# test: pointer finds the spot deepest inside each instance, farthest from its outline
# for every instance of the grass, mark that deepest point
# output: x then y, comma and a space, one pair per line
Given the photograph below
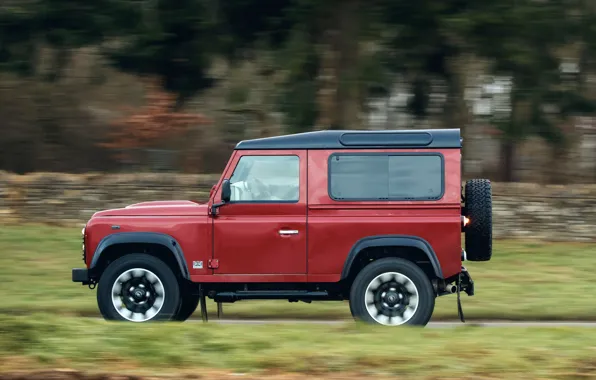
524, 280
42, 341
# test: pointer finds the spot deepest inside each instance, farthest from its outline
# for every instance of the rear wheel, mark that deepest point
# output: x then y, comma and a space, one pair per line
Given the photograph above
138, 288
392, 292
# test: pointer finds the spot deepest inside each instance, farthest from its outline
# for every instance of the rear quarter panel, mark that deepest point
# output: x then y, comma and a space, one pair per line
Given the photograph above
334, 227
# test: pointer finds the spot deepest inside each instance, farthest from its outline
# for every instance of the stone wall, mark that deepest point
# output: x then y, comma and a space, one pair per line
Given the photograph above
555, 213
57, 198
564, 213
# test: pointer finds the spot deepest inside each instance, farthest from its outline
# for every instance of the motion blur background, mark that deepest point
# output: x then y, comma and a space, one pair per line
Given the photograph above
130, 85
108, 102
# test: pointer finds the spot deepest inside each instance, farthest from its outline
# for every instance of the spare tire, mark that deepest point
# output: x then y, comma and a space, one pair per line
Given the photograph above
478, 208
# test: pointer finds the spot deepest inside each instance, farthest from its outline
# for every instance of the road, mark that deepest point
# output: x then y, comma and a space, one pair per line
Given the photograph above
447, 324
430, 325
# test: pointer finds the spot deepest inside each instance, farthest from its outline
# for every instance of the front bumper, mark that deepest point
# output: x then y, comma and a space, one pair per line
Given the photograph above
81, 275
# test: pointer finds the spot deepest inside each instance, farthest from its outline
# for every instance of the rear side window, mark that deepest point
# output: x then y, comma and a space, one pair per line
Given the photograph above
386, 176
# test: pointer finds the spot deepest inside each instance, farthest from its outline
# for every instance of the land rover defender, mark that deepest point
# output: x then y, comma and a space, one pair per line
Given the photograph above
375, 218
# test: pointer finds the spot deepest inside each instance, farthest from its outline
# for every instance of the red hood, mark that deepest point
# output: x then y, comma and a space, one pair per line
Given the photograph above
158, 208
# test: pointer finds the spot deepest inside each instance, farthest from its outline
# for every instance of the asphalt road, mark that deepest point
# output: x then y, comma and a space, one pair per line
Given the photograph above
484, 323
430, 325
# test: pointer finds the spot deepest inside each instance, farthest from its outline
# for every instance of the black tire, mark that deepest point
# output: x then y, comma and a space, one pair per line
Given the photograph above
164, 306
425, 294
189, 301
479, 209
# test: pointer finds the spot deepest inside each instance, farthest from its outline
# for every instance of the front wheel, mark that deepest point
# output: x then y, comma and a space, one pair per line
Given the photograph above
392, 292
138, 288
188, 304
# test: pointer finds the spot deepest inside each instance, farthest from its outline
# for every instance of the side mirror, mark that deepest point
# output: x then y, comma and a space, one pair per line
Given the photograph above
226, 194
226, 191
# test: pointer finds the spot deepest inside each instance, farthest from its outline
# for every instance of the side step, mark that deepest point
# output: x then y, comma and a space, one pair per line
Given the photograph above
291, 295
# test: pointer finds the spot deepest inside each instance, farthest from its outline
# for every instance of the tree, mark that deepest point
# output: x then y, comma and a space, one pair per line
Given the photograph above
152, 124
426, 44
27, 26
318, 47
175, 41
522, 38
18, 50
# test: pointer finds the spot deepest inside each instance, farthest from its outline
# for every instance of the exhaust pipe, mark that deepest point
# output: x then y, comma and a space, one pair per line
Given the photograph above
451, 288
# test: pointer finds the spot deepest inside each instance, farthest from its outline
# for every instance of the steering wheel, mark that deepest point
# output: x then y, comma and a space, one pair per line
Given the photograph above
258, 189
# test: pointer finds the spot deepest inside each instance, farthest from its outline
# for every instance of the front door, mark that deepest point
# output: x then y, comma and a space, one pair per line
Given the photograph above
262, 230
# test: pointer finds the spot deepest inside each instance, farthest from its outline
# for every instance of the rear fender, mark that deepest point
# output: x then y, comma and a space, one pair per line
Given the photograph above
392, 241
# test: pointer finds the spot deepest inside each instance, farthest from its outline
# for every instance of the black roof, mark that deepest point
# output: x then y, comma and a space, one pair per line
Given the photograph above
352, 139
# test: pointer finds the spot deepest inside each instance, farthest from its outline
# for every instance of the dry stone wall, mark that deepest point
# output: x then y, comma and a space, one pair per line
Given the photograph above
521, 210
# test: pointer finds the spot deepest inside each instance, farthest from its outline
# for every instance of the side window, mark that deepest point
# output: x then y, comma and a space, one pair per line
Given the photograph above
266, 179
386, 177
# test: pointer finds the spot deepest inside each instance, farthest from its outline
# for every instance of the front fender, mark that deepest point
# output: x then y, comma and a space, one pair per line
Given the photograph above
142, 238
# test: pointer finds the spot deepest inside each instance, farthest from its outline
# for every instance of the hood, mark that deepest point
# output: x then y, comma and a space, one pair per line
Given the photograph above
158, 208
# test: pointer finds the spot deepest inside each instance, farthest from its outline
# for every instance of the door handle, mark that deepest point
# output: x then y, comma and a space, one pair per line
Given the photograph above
288, 232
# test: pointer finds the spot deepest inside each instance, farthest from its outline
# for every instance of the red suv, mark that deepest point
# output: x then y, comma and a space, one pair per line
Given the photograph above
373, 217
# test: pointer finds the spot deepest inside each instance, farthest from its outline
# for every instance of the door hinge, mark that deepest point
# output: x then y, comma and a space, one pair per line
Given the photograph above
213, 264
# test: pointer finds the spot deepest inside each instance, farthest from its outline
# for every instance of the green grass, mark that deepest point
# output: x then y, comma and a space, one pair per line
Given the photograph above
42, 341
524, 280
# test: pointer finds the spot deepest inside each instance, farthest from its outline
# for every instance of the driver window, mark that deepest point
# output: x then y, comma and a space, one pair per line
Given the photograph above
266, 179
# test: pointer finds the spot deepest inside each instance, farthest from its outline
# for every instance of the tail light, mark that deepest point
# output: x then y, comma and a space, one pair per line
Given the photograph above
84, 252
464, 221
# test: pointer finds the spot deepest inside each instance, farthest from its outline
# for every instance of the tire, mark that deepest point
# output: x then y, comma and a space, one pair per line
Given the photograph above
479, 209
188, 304
407, 291
144, 288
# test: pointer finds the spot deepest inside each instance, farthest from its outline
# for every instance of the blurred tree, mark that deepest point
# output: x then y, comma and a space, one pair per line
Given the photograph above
244, 25
250, 32
18, 29
521, 37
38, 40
422, 44
299, 59
427, 47
285, 28
154, 123
27, 26
329, 56
583, 31
318, 46
65, 25
174, 41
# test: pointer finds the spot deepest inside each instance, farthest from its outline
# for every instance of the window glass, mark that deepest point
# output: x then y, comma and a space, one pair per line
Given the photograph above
266, 179
385, 177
